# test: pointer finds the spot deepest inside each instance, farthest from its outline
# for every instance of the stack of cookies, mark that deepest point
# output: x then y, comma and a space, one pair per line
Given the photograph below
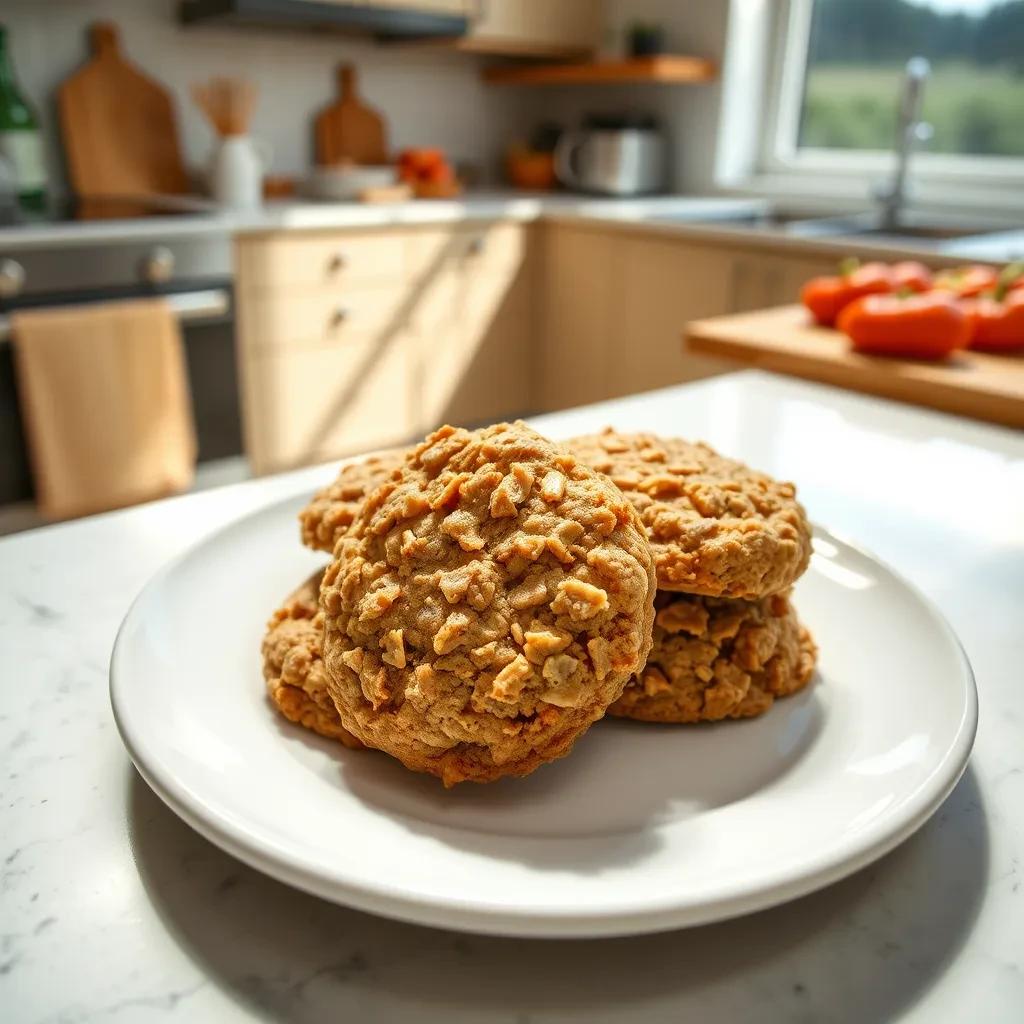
728, 545
492, 594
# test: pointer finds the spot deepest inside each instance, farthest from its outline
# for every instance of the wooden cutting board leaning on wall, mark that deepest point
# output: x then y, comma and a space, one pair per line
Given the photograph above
347, 131
118, 126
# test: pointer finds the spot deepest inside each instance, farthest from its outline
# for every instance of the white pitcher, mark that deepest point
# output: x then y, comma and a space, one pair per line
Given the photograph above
236, 176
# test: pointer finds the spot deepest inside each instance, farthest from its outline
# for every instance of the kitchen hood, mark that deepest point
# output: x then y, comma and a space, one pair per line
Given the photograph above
384, 22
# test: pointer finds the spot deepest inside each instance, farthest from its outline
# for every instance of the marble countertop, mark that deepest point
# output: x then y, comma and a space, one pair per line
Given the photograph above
708, 218
305, 215
114, 910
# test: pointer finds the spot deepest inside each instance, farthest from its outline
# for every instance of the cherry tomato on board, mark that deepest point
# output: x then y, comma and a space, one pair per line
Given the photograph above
996, 325
929, 326
826, 297
909, 275
967, 281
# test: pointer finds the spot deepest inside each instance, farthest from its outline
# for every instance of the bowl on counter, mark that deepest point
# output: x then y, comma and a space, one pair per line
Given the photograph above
348, 181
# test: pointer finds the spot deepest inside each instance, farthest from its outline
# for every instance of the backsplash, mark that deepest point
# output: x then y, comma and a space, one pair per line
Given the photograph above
428, 96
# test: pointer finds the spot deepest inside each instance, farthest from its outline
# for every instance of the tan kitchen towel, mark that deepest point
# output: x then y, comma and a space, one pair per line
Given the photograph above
104, 399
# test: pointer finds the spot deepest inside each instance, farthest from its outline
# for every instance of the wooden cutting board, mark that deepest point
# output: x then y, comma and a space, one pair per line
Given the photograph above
348, 131
118, 126
975, 384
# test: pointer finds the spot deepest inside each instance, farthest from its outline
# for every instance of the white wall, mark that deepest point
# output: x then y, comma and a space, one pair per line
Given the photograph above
688, 113
428, 97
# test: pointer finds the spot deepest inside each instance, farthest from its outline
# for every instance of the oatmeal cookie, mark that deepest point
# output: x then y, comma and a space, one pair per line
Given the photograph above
488, 603
717, 658
332, 509
293, 668
717, 527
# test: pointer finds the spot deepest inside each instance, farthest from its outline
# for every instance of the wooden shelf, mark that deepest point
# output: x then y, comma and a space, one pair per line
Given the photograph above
985, 387
665, 69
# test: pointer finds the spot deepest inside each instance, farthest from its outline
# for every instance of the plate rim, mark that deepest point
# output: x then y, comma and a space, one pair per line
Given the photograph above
499, 919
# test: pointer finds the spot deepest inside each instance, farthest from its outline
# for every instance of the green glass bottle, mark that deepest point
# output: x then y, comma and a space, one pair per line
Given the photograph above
21, 142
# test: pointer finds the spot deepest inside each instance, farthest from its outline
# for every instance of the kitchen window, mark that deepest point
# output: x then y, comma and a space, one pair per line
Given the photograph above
835, 85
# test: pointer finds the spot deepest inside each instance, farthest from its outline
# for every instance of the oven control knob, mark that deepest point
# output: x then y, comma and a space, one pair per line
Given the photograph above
12, 278
157, 266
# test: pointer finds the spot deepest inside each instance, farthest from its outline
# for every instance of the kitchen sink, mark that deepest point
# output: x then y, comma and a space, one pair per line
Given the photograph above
919, 231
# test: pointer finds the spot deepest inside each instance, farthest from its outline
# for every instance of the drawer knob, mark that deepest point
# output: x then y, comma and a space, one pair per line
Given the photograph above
476, 246
339, 316
12, 278
339, 261
157, 266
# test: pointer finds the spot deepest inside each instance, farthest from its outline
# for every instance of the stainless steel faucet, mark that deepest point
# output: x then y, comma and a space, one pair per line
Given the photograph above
910, 129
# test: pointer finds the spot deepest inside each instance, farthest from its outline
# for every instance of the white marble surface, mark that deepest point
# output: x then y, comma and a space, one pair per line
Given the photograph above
113, 910
705, 218
298, 214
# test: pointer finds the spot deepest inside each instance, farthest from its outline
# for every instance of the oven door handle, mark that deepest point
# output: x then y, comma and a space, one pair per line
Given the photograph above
188, 306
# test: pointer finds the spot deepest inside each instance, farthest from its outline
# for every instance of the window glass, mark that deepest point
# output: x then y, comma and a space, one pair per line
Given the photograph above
974, 97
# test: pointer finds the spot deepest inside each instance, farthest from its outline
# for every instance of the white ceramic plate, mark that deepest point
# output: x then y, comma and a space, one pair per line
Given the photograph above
641, 828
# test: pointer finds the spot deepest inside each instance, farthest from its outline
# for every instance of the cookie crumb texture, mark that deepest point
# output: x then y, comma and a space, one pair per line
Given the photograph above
293, 667
717, 527
332, 509
716, 658
486, 606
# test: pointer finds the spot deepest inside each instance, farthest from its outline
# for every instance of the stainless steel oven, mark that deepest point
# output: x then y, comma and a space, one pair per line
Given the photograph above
142, 258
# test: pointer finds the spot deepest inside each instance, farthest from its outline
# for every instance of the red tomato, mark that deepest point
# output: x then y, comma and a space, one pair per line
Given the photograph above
967, 281
826, 297
996, 325
912, 327
910, 275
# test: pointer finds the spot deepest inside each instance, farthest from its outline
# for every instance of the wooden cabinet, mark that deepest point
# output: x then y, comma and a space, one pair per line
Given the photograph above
613, 309
615, 304
577, 304
474, 324
661, 285
543, 27
760, 278
355, 340
321, 403
326, 357
358, 339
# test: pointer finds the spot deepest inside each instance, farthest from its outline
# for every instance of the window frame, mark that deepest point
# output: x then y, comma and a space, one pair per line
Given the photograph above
779, 154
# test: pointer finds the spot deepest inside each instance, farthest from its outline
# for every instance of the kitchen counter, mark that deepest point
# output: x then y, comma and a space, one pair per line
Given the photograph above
708, 218
285, 215
114, 910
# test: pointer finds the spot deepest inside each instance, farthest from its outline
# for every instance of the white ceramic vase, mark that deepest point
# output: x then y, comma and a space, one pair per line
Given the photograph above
236, 175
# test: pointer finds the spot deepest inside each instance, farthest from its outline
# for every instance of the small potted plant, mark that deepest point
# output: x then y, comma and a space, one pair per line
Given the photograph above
646, 39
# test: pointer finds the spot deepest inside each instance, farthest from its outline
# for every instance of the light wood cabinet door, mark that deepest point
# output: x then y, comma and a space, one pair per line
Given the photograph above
786, 275
536, 26
473, 322
661, 286
578, 300
309, 406
614, 308
760, 278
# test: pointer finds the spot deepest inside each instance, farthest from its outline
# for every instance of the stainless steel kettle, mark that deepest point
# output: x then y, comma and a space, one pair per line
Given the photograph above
612, 156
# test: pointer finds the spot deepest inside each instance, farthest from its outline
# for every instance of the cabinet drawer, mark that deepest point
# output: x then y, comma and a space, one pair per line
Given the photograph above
487, 246
309, 261
322, 316
309, 406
